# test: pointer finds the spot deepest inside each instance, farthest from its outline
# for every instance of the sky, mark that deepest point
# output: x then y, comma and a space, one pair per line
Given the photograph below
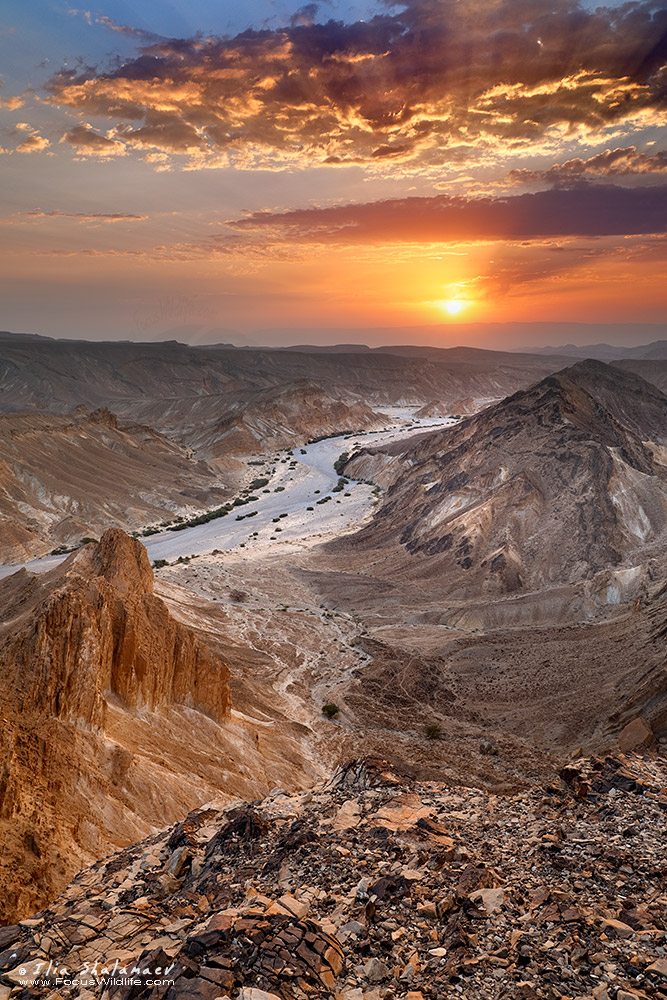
266, 172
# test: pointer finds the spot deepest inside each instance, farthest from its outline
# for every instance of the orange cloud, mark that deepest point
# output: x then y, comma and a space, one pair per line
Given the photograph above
87, 141
412, 85
33, 144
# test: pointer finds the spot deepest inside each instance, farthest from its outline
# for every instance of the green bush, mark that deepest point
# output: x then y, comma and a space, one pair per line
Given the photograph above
340, 462
331, 710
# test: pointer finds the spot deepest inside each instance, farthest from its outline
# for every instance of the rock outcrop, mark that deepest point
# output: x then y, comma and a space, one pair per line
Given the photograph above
375, 886
96, 674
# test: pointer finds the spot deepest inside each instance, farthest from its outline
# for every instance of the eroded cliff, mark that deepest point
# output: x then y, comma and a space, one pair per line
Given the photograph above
97, 679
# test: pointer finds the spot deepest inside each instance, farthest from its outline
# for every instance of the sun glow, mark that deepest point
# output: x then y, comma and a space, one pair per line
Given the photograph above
451, 306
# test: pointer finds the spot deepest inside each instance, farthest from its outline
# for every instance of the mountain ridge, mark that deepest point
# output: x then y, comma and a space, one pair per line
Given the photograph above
545, 486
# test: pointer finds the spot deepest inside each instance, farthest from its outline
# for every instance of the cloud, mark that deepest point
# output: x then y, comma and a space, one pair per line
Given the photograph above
586, 211
11, 103
609, 163
127, 30
88, 142
108, 22
409, 85
93, 217
33, 144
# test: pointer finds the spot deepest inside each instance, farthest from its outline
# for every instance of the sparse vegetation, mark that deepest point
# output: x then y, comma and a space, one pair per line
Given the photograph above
210, 515
159, 563
331, 710
433, 731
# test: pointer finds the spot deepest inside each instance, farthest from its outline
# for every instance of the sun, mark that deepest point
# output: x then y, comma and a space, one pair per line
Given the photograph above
451, 306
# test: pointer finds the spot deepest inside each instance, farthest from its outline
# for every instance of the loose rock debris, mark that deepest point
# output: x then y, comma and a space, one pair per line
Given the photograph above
372, 886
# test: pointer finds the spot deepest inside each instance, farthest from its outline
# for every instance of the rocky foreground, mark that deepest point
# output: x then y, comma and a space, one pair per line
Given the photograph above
373, 886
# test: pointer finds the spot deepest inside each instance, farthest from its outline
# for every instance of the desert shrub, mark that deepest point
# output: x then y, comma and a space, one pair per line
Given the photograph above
340, 462
432, 731
331, 710
159, 563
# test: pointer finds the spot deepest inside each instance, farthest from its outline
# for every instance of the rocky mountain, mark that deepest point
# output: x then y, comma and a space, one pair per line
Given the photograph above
116, 720
64, 478
374, 885
551, 486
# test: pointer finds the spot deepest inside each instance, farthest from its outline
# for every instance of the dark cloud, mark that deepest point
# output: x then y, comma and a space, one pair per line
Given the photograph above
494, 76
305, 16
567, 212
609, 163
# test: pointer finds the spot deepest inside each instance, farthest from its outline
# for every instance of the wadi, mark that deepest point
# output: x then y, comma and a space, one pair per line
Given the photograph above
236, 573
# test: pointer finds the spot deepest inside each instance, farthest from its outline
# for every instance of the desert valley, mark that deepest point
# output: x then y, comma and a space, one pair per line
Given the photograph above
227, 572
333, 500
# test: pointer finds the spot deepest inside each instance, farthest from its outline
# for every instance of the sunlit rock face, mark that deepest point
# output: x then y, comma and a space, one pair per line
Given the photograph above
114, 714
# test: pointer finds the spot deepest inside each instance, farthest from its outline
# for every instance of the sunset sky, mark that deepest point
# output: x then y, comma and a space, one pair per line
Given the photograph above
220, 169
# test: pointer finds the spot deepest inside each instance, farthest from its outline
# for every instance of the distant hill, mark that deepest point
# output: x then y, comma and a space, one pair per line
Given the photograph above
164, 384
608, 352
